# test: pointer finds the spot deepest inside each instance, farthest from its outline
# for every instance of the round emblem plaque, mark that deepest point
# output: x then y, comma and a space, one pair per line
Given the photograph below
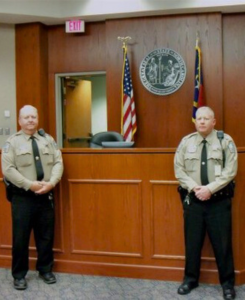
162, 71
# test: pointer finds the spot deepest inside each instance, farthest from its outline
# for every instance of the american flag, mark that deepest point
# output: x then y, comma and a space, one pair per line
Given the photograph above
198, 92
129, 125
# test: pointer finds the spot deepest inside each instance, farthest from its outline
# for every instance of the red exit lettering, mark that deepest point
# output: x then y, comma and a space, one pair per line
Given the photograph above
75, 26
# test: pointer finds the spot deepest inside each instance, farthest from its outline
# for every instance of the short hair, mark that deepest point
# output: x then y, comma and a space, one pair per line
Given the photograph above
26, 107
206, 108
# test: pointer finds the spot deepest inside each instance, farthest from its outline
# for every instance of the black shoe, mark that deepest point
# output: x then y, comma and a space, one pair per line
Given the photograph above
187, 287
20, 284
229, 293
48, 277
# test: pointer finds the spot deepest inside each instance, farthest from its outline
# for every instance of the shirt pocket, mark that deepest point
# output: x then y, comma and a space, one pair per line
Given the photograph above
216, 155
191, 161
47, 155
24, 157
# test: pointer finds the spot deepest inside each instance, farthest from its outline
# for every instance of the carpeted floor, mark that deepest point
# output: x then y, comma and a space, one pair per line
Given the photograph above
80, 287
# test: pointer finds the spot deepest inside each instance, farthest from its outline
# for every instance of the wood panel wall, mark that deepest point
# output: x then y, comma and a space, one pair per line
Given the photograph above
113, 220
32, 69
42, 52
233, 70
118, 213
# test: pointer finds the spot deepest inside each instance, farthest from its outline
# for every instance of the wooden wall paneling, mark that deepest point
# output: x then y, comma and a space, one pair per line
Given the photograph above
72, 53
163, 246
234, 68
106, 217
164, 120
32, 69
166, 218
239, 220
6, 224
118, 214
92, 235
77, 52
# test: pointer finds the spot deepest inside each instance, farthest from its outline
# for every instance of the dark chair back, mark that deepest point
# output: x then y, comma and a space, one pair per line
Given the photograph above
106, 136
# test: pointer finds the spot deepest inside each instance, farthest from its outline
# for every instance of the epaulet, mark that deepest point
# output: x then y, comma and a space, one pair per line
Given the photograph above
51, 140
227, 137
6, 146
13, 136
49, 137
189, 136
184, 139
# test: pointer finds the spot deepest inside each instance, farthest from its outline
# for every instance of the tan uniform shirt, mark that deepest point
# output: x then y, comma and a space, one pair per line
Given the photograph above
187, 161
18, 164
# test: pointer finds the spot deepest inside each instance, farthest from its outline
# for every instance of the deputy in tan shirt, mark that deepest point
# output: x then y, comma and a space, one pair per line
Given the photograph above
31, 195
187, 161
206, 197
18, 166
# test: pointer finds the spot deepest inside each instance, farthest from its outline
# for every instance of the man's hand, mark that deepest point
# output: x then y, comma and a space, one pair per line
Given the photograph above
45, 187
36, 185
202, 193
41, 187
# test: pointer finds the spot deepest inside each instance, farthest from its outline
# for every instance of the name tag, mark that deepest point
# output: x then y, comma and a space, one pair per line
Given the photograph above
217, 170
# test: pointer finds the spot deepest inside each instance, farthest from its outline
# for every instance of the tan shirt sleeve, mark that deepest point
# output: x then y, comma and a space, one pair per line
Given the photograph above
182, 173
9, 168
228, 173
58, 167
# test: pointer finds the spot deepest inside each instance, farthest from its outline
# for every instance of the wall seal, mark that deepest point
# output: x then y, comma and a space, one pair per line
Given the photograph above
162, 71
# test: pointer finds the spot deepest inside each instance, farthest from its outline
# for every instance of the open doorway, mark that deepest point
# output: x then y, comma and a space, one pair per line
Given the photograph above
81, 108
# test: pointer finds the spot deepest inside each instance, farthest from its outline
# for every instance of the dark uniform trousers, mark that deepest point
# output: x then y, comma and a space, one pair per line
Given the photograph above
213, 217
32, 212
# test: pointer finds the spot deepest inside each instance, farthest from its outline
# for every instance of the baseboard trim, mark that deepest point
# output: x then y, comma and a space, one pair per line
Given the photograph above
127, 271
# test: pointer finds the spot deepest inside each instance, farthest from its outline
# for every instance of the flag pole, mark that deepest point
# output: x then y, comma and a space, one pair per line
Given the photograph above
128, 114
198, 88
124, 41
197, 39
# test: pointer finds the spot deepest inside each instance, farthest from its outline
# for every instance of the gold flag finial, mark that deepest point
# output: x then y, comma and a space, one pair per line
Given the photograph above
124, 40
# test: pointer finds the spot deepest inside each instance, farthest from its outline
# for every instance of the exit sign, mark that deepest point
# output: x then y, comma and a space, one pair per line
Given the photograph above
75, 26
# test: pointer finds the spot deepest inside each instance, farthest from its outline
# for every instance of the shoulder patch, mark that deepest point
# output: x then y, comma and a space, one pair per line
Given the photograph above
231, 146
6, 147
55, 145
51, 140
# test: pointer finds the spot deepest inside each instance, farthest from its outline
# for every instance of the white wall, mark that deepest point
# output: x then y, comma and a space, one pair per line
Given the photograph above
7, 81
99, 104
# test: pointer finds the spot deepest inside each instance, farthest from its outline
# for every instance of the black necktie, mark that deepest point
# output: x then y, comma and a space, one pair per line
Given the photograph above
37, 160
204, 164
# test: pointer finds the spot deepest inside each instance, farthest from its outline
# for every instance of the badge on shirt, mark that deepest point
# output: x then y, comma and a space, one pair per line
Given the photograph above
6, 147
192, 148
231, 147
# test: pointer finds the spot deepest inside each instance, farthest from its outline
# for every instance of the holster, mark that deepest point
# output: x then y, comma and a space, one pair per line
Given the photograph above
182, 192
231, 188
8, 189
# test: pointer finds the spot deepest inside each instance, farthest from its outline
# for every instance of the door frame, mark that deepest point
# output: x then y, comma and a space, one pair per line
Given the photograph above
58, 100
